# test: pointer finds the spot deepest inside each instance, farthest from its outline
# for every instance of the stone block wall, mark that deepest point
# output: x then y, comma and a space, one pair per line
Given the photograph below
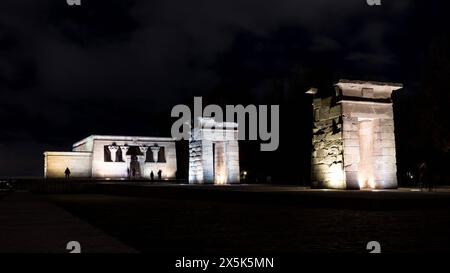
79, 164
327, 152
383, 156
195, 162
232, 158
351, 150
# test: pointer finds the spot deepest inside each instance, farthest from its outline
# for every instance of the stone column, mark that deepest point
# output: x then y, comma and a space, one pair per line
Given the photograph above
128, 163
140, 172
155, 151
124, 152
143, 150
113, 150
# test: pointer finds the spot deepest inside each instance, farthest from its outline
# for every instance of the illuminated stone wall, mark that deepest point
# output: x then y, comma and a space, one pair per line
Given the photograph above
353, 137
55, 164
327, 153
118, 168
110, 157
214, 153
383, 172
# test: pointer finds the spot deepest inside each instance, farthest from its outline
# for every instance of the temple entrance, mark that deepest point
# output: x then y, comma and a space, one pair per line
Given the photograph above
366, 178
135, 168
219, 163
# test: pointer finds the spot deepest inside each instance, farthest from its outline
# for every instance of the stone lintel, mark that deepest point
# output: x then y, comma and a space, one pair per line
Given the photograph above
366, 89
360, 99
365, 101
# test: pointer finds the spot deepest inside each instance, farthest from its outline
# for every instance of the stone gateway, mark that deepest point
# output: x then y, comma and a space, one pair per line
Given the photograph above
214, 153
353, 137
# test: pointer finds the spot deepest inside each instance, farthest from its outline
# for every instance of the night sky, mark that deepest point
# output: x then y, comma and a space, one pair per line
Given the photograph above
118, 67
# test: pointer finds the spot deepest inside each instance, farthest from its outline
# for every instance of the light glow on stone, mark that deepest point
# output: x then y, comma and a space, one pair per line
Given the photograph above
221, 179
337, 179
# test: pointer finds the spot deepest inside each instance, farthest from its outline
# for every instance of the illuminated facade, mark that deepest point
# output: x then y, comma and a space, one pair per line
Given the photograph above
115, 157
353, 137
214, 153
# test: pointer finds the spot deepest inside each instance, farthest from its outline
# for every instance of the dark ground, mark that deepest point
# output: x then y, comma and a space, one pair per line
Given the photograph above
30, 224
265, 220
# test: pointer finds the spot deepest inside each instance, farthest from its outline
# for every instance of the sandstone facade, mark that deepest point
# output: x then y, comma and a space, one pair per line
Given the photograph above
115, 157
353, 137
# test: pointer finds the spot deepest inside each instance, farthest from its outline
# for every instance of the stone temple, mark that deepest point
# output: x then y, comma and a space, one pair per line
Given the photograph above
115, 157
353, 137
214, 152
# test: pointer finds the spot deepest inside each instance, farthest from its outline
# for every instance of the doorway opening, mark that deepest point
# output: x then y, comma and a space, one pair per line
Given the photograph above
135, 168
366, 177
219, 163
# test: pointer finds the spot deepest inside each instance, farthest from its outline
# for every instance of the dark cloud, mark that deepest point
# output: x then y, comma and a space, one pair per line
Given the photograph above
93, 24
119, 66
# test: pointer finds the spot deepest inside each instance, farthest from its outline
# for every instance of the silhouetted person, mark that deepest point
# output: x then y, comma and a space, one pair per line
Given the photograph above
67, 173
423, 175
159, 175
133, 171
152, 176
